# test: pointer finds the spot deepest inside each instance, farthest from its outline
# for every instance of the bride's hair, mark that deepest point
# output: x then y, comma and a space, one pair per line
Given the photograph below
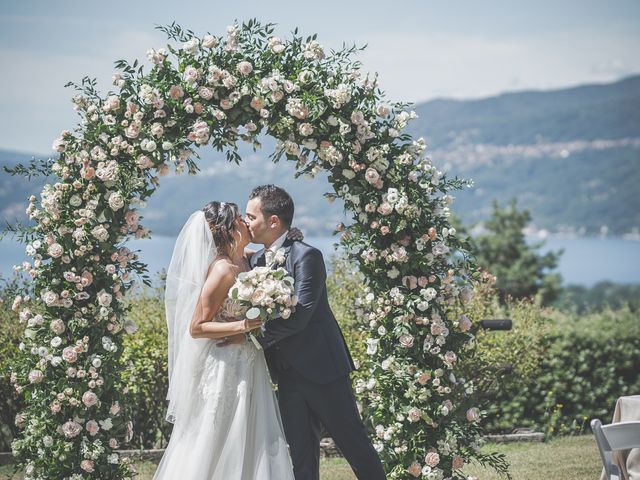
221, 217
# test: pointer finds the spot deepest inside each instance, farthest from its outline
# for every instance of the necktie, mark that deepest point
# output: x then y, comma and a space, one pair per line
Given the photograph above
261, 260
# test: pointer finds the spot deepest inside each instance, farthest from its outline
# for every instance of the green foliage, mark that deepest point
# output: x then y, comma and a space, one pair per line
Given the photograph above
10, 335
502, 361
567, 368
521, 271
590, 361
144, 363
603, 295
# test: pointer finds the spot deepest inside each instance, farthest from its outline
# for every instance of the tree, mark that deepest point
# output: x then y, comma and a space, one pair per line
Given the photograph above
521, 270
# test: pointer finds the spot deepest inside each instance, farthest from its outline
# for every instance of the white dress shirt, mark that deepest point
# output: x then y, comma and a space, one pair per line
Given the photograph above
269, 252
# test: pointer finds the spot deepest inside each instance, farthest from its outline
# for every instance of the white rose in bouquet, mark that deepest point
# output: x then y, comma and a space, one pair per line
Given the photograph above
265, 293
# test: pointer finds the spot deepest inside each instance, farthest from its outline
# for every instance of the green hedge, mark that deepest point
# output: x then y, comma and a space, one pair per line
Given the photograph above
567, 368
588, 363
10, 333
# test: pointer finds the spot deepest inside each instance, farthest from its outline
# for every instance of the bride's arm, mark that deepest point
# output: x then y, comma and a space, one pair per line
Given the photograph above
215, 289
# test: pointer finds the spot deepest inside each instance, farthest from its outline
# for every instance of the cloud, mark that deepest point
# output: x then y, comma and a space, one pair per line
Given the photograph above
422, 66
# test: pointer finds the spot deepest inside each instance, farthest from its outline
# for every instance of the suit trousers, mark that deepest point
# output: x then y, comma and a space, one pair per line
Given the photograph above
305, 406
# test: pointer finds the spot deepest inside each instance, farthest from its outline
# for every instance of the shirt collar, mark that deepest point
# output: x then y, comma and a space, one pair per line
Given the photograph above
278, 242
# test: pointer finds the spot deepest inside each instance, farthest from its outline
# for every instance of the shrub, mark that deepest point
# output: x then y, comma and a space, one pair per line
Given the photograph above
144, 362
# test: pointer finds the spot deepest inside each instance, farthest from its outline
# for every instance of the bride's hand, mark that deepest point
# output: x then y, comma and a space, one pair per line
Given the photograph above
249, 325
295, 234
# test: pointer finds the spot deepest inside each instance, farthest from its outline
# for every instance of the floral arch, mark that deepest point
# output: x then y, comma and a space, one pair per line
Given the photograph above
218, 91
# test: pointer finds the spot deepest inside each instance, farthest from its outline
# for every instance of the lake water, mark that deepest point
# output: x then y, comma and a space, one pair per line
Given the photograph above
585, 261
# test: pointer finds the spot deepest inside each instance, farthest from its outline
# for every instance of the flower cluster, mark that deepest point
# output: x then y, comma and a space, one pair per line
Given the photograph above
265, 293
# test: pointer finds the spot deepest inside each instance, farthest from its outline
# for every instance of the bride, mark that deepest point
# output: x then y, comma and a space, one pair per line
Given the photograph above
226, 421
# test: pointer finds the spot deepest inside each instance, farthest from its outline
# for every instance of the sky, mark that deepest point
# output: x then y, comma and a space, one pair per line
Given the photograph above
422, 49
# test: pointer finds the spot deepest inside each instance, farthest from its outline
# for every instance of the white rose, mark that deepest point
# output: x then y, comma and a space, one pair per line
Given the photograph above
191, 46
104, 298
36, 376
245, 68
116, 202
305, 129
209, 41
55, 250
414, 414
383, 110
191, 74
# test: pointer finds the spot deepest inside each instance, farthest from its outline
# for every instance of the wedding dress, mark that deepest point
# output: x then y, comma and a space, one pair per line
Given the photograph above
227, 424
237, 433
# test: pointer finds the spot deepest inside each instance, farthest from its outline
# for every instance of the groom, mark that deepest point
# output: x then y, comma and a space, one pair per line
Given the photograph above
306, 353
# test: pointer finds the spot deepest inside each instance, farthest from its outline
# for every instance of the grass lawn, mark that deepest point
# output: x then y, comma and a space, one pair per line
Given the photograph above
569, 458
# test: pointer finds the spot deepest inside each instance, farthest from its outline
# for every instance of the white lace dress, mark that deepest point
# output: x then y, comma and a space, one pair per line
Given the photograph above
237, 434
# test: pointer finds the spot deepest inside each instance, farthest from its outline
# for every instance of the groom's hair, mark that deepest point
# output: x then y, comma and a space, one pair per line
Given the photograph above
274, 201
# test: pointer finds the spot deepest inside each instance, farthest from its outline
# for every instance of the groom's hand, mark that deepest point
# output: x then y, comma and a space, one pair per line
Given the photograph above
295, 234
238, 339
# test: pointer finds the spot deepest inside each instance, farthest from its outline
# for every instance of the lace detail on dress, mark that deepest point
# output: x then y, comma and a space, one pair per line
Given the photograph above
230, 310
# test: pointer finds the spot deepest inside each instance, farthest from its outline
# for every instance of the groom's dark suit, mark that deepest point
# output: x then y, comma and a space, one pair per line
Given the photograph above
308, 358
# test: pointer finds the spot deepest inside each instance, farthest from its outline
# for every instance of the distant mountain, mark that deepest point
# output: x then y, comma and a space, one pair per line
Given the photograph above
571, 156
179, 195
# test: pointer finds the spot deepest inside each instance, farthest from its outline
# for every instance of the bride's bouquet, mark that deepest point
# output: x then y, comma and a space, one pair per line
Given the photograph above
265, 293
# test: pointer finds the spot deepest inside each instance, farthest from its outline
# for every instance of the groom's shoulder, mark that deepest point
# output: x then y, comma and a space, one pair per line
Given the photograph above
303, 248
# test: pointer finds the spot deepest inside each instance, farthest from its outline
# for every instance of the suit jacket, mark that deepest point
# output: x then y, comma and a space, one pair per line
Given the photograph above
310, 340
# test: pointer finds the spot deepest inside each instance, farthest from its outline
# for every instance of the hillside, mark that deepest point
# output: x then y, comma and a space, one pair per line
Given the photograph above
571, 156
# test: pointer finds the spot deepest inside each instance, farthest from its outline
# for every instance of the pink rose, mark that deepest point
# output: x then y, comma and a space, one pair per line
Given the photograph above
71, 429
205, 92
414, 415
104, 298
372, 175
86, 278
473, 414
423, 378
132, 131
144, 162
176, 92
69, 354
87, 465
415, 469
450, 357
406, 340
92, 427
113, 443
191, 74
422, 282
245, 68
55, 250
35, 376
258, 296
385, 209
458, 462
89, 398
384, 230
436, 329
432, 459
257, 103
464, 324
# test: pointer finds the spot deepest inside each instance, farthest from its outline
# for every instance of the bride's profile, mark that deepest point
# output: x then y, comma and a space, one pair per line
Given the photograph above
226, 421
